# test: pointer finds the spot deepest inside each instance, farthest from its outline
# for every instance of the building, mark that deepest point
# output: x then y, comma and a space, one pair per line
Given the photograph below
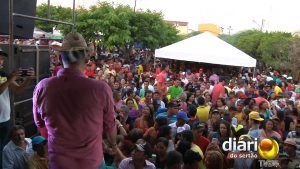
209, 27
181, 26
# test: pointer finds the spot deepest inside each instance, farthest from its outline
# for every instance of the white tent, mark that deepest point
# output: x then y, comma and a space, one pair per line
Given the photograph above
206, 48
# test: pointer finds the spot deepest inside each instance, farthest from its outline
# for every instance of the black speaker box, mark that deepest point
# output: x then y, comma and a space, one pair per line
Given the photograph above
22, 27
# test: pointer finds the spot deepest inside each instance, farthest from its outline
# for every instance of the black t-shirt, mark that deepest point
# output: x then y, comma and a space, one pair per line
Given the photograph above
3, 77
160, 164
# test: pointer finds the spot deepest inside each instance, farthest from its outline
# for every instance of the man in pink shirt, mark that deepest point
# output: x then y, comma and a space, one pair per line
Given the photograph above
76, 111
218, 90
261, 97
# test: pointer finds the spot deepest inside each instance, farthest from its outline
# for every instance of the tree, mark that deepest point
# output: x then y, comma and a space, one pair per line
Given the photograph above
293, 60
121, 27
115, 25
274, 47
57, 13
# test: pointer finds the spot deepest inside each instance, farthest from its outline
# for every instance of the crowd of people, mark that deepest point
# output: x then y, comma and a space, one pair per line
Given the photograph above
168, 114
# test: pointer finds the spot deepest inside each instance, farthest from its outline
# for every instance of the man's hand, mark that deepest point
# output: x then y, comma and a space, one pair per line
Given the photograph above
31, 73
13, 76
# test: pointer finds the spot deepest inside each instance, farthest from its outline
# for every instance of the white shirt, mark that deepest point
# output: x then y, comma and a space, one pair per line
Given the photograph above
237, 89
4, 100
15, 157
174, 128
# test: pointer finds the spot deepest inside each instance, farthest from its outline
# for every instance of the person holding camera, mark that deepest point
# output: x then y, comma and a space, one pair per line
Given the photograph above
9, 81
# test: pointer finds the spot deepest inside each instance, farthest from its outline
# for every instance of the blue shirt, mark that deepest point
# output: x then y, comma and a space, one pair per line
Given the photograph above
254, 132
15, 157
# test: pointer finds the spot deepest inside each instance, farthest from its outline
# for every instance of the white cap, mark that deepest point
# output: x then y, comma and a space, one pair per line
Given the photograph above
285, 76
289, 78
269, 79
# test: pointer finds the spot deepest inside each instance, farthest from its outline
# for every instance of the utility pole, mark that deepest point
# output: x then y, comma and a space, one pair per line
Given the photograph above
229, 30
261, 26
134, 5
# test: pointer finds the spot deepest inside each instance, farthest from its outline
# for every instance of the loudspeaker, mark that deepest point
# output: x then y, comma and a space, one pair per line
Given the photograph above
22, 27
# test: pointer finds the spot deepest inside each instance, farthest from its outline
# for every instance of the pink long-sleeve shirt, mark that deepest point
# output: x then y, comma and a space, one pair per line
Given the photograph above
75, 110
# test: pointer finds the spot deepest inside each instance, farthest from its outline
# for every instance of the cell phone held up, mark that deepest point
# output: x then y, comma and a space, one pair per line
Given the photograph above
24, 72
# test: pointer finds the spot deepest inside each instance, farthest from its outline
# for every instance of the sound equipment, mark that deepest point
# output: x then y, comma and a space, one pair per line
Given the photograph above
25, 57
22, 27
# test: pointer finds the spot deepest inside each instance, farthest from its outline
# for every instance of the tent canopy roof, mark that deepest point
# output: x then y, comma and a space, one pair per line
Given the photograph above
206, 48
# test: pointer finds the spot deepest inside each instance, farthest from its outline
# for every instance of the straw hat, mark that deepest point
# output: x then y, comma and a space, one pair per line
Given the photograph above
73, 41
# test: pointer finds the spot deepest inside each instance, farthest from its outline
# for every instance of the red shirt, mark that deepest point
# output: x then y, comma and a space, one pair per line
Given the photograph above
89, 73
218, 90
202, 142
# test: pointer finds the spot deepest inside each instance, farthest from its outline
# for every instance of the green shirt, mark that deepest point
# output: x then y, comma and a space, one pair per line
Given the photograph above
175, 91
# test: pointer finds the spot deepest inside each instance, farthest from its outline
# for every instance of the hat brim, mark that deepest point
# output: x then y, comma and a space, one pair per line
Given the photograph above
139, 147
258, 119
72, 48
291, 144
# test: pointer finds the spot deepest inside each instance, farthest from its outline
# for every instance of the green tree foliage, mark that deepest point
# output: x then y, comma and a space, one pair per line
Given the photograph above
56, 12
277, 49
115, 25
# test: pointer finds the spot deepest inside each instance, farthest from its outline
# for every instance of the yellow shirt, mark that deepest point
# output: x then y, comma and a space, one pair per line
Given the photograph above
277, 90
203, 113
140, 69
239, 117
197, 149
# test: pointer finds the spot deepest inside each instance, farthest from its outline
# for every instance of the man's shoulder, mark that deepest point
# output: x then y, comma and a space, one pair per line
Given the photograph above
149, 164
172, 124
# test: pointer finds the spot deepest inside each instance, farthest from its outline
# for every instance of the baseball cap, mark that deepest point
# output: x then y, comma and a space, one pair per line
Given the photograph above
238, 127
38, 140
291, 142
288, 93
216, 111
198, 125
182, 115
3, 53
146, 148
243, 96
247, 136
255, 116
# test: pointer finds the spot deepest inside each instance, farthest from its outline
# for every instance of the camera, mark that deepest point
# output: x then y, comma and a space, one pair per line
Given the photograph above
24, 72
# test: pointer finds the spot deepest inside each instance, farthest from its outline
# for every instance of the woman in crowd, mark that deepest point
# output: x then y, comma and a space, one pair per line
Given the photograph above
224, 131
145, 121
133, 113
264, 109
161, 152
221, 106
190, 99
268, 131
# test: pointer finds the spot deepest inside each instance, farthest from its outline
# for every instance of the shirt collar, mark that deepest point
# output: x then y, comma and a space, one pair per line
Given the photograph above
70, 72
14, 146
146, 162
